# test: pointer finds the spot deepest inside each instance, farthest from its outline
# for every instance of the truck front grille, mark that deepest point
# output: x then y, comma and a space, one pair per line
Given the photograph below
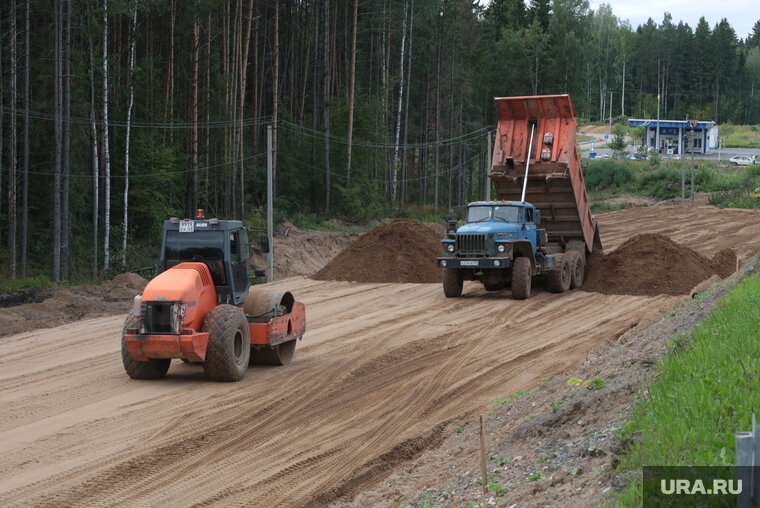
471, 244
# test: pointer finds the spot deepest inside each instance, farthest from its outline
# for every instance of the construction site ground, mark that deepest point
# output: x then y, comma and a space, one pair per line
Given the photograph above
378, 406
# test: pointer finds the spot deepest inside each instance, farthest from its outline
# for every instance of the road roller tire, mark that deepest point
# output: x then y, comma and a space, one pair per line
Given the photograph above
558, 280
521, 278
229, 344
577, 269
152, 369
453, 282
281, 354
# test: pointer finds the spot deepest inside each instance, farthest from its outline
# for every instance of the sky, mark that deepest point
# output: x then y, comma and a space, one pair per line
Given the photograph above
741, 14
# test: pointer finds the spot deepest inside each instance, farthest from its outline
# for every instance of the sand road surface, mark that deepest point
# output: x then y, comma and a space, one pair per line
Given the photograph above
384, 372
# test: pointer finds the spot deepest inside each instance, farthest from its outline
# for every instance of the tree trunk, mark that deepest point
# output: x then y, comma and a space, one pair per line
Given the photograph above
399, 110
243, 80
57, 92
13, 155
106, 150
437, 128
275, 92
169, 111
95, 157
351, 91
130, 78
404, 170
65, 176
326, 109
25, 179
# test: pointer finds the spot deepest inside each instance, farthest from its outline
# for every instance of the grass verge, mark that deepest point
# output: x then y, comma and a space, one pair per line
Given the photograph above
705, 390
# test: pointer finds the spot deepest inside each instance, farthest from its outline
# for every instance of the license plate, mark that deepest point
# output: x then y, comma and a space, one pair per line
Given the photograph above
186, 226
469, 263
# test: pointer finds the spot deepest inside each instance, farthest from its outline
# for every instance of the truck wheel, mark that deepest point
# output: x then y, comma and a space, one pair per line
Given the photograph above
558, 280
152, 369
453, 282
229, 344
577, 269
281, 354
521, 278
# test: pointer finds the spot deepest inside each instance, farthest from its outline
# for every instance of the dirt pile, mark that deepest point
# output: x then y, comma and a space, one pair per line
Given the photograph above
300, 251
30, 309
652, 264
401, 251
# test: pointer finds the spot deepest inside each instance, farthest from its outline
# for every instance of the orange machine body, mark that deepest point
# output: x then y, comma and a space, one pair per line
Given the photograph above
191, 285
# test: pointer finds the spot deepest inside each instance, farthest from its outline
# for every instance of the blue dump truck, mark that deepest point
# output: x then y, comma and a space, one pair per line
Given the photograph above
541, 224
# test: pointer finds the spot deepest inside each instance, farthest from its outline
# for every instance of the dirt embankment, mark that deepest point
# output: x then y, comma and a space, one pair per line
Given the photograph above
652, 264
401, 251
30, 309
300, 251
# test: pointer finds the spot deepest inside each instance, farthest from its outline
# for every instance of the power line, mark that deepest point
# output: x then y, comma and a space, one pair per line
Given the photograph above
133, 176
80, 120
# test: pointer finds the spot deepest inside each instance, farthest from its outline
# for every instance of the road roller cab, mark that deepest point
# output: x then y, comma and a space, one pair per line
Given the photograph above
202, 309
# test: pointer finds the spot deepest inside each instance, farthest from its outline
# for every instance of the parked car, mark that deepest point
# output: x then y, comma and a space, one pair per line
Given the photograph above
742, 160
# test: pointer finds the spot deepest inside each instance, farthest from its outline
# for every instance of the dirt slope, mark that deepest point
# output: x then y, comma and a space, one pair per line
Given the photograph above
385, 372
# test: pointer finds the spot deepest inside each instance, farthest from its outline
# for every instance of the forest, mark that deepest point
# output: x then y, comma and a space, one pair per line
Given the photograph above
117, 114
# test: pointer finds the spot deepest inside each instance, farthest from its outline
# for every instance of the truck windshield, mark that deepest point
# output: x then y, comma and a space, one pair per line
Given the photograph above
486, 213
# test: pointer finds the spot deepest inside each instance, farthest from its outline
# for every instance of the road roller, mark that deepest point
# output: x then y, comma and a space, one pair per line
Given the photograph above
201, 308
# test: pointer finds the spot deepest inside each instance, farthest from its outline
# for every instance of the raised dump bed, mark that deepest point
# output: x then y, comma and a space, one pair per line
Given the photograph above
555, 180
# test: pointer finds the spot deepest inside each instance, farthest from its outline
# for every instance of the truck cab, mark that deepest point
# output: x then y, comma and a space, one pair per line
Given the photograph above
494, 234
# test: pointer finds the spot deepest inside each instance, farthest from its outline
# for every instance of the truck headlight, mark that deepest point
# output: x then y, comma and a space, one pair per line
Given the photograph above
450, 248
501, 248
443, 262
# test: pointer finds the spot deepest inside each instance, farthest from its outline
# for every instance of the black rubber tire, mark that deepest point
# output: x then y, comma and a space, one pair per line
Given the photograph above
453, 282
229, 344
152, 369
281, 354
558, 280
577, 269
521, 278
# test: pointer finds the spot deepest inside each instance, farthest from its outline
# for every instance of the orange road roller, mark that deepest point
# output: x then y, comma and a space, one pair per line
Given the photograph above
202, 308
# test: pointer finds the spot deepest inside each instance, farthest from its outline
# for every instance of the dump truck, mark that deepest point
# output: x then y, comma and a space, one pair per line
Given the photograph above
540, 225
202, 308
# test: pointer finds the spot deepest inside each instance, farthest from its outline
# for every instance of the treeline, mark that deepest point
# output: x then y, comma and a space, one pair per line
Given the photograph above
115, 114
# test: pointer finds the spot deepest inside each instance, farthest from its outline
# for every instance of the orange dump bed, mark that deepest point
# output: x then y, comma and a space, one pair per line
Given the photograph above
555, 179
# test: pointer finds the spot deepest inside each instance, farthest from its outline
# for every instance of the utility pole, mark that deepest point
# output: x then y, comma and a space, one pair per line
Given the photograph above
270, 239
692, 165
488, 167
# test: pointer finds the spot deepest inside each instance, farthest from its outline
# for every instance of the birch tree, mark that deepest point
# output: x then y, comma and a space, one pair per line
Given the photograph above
130, 79
106, 151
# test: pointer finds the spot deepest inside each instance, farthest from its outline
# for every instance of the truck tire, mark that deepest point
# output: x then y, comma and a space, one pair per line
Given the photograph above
577, 269
152, 369
558, 280
521, 278
453, 282
229, 344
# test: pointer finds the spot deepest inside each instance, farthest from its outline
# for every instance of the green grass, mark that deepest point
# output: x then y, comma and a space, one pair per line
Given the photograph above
8, 286
740, 136
733, 187
705, 390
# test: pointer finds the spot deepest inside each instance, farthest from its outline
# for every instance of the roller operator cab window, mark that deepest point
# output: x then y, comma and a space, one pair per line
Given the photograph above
202, 246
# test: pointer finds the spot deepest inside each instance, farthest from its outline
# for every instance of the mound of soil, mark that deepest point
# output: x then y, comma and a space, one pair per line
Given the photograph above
652, 264
30, 309
401, 251
300, 251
